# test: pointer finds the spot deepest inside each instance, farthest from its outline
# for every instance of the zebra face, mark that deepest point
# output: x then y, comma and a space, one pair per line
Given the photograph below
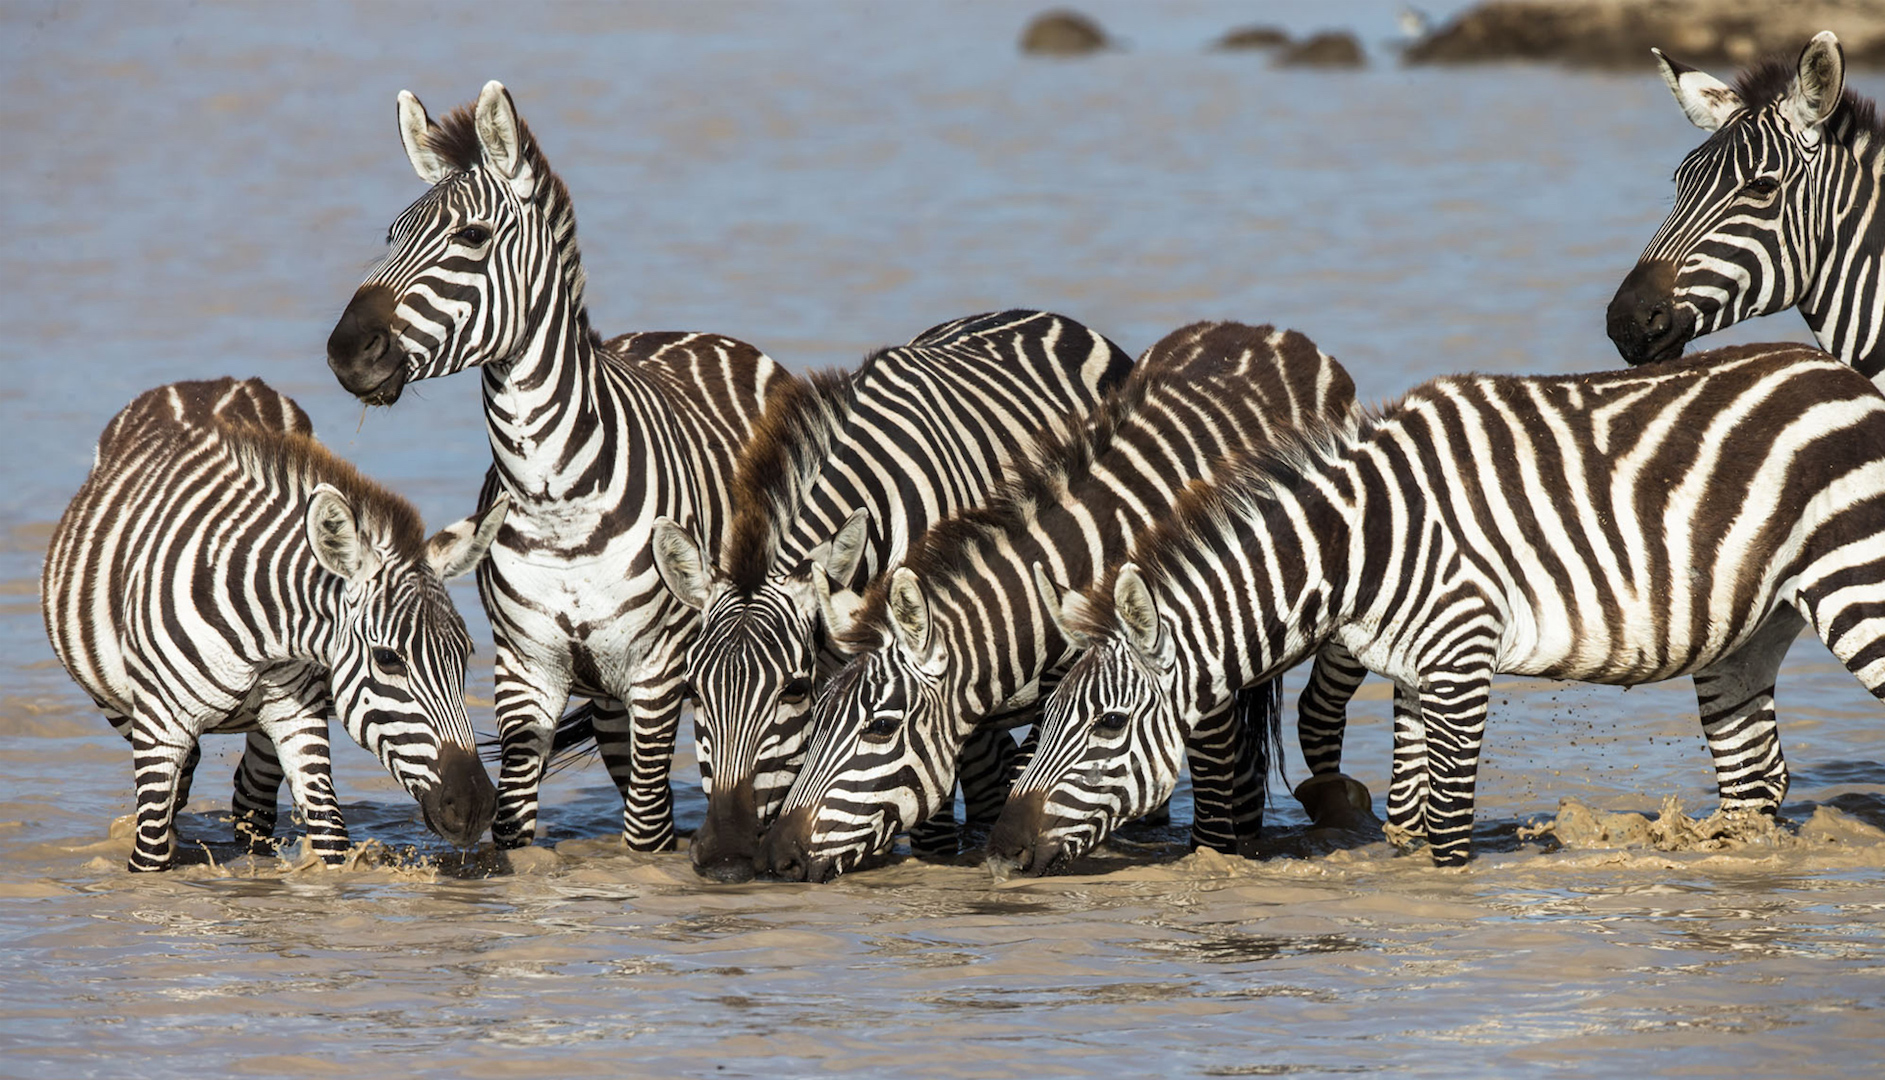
397, 662
456, 288
875, 766
1109, 752
1742, 239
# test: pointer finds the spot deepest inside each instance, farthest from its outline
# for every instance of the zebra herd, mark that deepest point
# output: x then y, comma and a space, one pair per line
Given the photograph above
865, 581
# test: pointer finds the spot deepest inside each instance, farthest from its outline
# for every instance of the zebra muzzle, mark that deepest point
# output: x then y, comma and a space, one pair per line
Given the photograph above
461, 805
1643, 320
1016, 842
727, 845
361, 351
785, 850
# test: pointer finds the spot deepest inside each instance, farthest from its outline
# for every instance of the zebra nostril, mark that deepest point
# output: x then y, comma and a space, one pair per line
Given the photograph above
1659, 321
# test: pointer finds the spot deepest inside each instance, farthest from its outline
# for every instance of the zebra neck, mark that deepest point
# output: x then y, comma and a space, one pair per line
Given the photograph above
543, 407
1844, 303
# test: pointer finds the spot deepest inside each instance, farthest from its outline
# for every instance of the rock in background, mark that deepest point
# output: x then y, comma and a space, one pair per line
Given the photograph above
1620, 33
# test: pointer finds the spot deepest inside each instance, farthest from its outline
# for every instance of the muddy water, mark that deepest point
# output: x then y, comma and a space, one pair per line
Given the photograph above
193, 191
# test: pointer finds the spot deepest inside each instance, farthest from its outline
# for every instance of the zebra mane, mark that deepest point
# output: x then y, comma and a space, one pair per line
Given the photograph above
1772, 78
454, 137
1040, 477
790, 446
1207, 510
295, 462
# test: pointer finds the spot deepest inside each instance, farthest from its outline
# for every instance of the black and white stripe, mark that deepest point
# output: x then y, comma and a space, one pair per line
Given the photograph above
842, 472
219, 571
1621, 527
955, 639
592, 441
1779, 208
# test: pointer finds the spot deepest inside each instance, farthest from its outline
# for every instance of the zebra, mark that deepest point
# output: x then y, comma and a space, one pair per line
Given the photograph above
220, 571
1779, 208
591, 440
1619, 527
953, 639
841, 473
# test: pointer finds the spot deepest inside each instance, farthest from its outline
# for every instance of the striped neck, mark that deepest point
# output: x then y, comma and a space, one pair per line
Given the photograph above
544, 401
1844, 301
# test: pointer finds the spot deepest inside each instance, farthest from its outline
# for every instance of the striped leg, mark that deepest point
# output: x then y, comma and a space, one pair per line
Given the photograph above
258, 787
529, 702
1227, 759
187, 776
1407, 781
1322, 710
637, 746
1453, 704
986, 770
1736, 697
294, 716
159, 749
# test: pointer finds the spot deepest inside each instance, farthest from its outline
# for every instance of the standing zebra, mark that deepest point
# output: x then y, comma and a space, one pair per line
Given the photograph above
1674, 520
839, 476
955, 639
219, 571
592, 441
1779, 208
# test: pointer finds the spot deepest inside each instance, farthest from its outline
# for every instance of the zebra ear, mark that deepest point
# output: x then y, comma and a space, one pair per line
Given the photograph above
847, 547
910, 620
414, 125
335, 536
1055, 597
1706, 101
678, 561
838, 610
1816, 90
458, 547
498, 131
1137, 613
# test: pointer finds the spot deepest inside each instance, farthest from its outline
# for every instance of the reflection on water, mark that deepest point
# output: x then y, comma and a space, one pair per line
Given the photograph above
197, 190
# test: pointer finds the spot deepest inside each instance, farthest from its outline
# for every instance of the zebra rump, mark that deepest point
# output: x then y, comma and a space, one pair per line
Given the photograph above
1619, 527
220, 571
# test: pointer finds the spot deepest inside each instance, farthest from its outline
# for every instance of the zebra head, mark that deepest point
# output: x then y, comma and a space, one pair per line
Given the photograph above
883, 748
1111, 736
469, 263
397, 658
751, 670
1754, 210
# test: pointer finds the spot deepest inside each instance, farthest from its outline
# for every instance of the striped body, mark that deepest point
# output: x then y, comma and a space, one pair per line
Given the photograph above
957, 639
1779, 208
187, 591
592, 442
914, 434
1621, 527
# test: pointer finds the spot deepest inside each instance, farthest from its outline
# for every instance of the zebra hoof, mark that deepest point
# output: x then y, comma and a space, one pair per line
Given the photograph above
1337, 801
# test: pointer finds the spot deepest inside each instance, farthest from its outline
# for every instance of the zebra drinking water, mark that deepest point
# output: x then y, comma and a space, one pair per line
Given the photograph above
1620, 527
592, 442
1779, 208
955, 639
219, 571
842, 472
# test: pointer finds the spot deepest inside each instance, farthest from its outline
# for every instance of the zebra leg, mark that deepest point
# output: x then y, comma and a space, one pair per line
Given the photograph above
1453, 705
1212, 755
258, 786
637, 745
1407, 780
294, 716
187, 776
529, 702
1322, 710
1736, 698
159, 750
986, 770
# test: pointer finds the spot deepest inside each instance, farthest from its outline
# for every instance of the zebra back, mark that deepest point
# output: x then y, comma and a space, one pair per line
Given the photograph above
957, 636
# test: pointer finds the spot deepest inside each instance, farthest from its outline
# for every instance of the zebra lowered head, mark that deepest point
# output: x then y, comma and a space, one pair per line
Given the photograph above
1778, 209
442, 300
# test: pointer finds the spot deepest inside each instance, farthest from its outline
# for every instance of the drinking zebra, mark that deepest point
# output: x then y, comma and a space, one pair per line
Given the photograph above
1621, 527
592, 441
955, 639
843, 470
1779, 208
219, 571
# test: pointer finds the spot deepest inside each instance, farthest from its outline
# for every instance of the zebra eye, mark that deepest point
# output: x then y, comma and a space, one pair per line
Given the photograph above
1760, 187
472, 235
795, 691
882, 726
1112, 721
389, 661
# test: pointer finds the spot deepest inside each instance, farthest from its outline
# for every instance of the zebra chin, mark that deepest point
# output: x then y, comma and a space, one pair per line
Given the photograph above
460, 806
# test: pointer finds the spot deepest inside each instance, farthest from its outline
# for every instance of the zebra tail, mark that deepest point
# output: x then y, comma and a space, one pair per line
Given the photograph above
573, 743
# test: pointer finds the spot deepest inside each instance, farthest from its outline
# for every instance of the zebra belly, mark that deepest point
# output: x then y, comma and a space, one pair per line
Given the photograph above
588, 607
1640, 646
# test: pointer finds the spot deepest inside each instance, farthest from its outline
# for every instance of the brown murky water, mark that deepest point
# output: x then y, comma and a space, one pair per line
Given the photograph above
192, 191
